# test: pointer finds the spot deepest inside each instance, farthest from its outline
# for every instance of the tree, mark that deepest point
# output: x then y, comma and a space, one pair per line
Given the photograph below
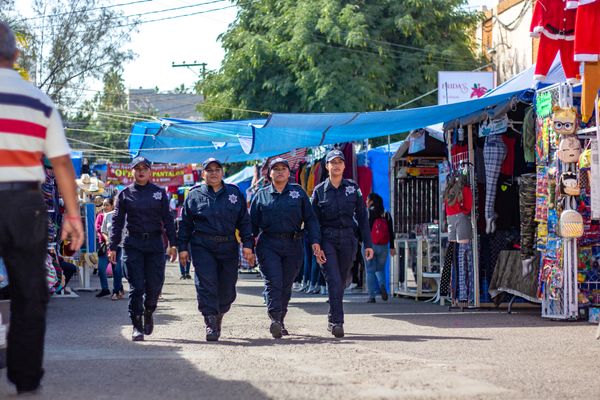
71, 42
336, 55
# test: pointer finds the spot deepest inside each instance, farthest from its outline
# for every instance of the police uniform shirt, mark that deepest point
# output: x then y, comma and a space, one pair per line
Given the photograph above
145, 209
339, 208
284, 212
218, 214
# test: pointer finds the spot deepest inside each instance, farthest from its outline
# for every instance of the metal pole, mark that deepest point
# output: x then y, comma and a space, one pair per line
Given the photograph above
475, 241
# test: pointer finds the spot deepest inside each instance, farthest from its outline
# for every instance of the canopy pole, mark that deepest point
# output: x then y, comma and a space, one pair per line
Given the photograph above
475, 241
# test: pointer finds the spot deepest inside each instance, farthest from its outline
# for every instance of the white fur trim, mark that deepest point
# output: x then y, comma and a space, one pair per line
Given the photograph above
584, 2
555, 36
586, 57
536, 31
539, 77
571, 5
573, 81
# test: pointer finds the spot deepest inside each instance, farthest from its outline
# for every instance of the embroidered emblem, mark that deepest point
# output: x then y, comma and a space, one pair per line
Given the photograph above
157, 196
294, 194
350, 190
233, 199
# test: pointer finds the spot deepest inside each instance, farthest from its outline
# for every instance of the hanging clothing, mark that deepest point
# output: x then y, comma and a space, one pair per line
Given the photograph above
494, 154
365, 180
350, 156
310, 184
555, 26
508, 165
527, 209
529, 135
587, 31
590, 88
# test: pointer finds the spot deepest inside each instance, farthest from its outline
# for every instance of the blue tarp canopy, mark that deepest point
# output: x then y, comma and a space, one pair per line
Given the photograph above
172, 140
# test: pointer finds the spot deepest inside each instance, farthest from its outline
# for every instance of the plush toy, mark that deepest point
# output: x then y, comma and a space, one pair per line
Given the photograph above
565, 120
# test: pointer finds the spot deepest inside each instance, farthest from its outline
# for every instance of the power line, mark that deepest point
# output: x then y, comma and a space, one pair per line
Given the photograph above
86, 10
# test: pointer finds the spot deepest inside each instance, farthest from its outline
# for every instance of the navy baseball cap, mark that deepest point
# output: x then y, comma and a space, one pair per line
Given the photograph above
211, 160
278, 160
140, 160
335, 154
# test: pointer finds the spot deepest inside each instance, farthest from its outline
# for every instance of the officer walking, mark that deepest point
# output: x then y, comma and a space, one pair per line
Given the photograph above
339, 206
277, 213
211, 214
145, 208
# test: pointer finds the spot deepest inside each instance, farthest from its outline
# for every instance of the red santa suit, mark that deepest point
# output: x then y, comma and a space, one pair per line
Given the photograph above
554, 24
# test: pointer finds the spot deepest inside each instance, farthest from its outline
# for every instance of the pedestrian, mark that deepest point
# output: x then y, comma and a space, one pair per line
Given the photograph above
30, 126
338, 203
102, 239
278, 212
145, 209
382, 235
211, 214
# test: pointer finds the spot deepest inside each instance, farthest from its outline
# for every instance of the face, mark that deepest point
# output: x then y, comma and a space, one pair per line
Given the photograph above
569, 149
106, 206
141, 173
336, 167
213, 174
564, 121
279, 173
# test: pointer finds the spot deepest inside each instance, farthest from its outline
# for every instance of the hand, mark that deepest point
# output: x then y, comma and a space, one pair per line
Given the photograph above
173, 253
319, 254
184, 257
249, 256
72, 230
112, 256
393, 252
368, 253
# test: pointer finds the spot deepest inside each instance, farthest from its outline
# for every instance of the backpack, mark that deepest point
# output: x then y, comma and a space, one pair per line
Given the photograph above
379, 232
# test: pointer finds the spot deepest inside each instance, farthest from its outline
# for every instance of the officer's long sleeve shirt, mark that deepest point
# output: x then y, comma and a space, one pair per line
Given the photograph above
145, 209
342, 207
218, 214
284, 212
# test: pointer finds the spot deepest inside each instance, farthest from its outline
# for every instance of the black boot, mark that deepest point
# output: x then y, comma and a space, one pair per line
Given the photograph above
336, 330
276, 325
219, 324
284, 331
212, 332
138, 328
384, 293
148, 322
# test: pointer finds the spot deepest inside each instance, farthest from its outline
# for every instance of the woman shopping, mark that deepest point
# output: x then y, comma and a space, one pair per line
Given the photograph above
382, 234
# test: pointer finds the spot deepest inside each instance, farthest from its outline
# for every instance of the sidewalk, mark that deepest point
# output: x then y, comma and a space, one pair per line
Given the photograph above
394, 350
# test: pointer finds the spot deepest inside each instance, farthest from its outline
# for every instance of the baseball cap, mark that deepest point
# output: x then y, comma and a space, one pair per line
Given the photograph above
211, 160
335, 154
140, 160
278, 160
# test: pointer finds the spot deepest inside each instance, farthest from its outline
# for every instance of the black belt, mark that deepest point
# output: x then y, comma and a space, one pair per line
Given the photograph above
145, 235
286, 235
557, 31
215, 238
18, 186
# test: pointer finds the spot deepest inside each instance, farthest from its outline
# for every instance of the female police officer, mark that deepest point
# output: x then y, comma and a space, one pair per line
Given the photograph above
277, 213
211, 213
145, 208
337, 202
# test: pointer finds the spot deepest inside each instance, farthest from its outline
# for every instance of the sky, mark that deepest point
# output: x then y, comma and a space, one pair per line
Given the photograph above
187, 39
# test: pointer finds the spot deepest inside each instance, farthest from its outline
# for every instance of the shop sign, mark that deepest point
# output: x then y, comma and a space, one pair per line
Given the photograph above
543, 104
457, 86
162, 174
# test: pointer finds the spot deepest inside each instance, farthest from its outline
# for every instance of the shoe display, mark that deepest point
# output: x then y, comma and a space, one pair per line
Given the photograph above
148, 323
137, 334
384, 293
103, 292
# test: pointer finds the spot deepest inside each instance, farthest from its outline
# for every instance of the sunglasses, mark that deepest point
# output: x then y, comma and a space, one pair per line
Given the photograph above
563, 125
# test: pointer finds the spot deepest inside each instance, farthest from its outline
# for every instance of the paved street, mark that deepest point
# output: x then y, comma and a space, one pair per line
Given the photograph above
395, 350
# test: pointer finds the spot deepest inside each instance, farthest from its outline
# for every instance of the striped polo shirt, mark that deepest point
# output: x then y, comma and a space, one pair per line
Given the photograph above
30, 127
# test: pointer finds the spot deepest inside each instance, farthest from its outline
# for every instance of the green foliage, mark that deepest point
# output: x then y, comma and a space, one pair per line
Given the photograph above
336, 56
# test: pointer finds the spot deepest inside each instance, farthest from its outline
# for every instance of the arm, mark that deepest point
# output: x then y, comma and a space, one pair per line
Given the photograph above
254, 218
118, 223
65, 177
244, 224
186, 227
310, 220
99, 224
314, 202
168, 222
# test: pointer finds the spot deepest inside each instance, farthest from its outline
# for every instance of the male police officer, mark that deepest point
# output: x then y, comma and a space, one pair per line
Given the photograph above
277, 214
145, 208
339, 206
211, 214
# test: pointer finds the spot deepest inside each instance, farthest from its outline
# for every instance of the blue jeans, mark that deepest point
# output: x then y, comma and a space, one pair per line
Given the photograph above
117, 273
376, 268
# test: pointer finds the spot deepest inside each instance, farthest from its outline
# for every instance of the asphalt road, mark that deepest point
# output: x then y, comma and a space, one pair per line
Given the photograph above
394, 350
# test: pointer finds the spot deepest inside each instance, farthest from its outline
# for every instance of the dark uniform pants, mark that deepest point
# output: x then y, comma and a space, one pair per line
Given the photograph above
23, 231
144, 267
216, 269
280, 260
340, 246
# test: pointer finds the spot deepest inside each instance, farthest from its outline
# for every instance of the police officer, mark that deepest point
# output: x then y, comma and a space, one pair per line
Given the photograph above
145, 208
211, 214
277, 213
339, 206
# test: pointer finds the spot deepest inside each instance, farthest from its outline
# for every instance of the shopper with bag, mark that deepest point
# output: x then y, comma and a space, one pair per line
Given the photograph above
382, 233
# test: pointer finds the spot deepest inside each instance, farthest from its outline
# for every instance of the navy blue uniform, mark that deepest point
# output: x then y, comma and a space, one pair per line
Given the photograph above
208, 224
340, 211
277, 220
145, 209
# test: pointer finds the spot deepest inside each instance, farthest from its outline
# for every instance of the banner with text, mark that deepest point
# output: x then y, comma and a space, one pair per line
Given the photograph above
162, 174
457, 86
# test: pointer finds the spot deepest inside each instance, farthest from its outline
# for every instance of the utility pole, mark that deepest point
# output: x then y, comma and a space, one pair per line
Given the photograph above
190, 65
